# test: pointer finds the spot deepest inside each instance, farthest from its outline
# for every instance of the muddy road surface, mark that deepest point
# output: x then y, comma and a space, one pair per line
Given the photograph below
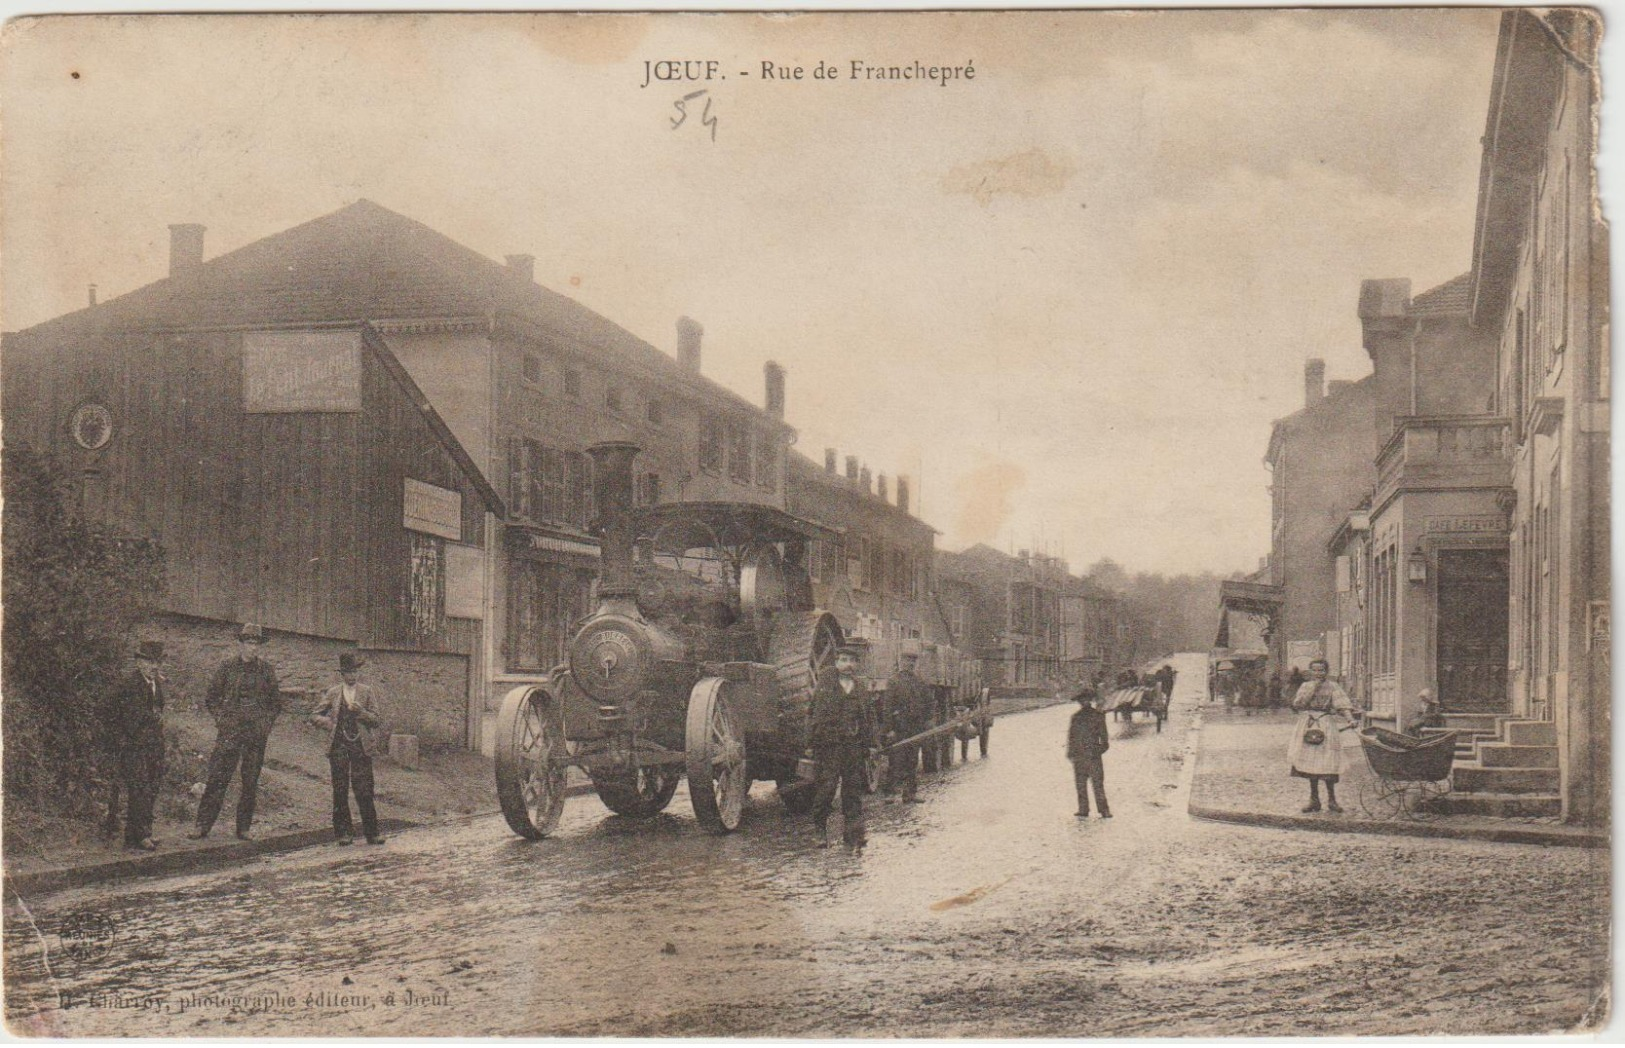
987, 910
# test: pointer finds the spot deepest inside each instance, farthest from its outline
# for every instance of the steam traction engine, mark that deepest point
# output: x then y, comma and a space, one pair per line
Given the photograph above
699, 661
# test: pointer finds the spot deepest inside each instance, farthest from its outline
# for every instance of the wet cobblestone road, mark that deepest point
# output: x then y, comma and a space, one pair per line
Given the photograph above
987, 910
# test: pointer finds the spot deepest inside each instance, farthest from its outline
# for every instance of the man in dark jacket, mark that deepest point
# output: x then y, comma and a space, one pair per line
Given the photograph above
908, 707
133, 721
842, 734
1086, 744
245, 700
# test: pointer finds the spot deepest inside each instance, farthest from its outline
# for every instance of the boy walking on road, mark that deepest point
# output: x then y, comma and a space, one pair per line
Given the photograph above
1086, 745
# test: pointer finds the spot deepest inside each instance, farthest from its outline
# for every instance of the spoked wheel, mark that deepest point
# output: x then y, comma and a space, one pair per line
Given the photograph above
717, 776
639, 793
529, 764
1381, 799
1426, 803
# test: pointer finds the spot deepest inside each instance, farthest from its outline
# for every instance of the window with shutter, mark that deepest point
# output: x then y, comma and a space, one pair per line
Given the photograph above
711, 445
739, 452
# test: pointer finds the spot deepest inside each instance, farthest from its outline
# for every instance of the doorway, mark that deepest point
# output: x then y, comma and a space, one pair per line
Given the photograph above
1471, 650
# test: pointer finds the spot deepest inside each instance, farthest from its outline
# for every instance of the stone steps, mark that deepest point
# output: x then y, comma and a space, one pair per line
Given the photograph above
1504, 755
1502, 805
1531, 733
1472, 777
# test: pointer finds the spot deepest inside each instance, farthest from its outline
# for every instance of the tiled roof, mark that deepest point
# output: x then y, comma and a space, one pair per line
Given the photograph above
365, 262
1450, 298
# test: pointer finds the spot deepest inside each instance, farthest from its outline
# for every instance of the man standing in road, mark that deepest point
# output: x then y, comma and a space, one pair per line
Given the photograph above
133, 721
842, 736
245, 700
1086, 745
349, 713
908, 705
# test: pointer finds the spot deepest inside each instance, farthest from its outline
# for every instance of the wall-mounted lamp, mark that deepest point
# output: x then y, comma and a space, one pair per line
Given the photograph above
1416, 567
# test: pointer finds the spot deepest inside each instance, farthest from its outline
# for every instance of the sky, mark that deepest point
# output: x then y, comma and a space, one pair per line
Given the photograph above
1067, 296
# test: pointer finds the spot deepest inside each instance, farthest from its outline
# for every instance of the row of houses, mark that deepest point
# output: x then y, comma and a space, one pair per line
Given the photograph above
1442, 524
364, 435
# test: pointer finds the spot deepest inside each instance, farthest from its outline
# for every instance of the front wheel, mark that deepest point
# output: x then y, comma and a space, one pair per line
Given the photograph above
530, 761
718, 778
640, 793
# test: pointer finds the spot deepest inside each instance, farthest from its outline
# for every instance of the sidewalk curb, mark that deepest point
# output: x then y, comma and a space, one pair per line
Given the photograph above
1392, 828
1498, 835
184, 861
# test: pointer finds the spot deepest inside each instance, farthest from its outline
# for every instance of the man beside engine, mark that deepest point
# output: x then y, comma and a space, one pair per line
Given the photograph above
908, 707
842, 735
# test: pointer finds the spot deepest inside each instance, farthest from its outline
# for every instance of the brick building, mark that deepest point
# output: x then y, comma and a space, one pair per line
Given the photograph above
1540, 293
287, 462
509, 380
1474, 560
1030, 622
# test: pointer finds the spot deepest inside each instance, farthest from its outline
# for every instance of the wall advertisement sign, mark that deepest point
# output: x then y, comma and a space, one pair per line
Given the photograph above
299, 371
433, 510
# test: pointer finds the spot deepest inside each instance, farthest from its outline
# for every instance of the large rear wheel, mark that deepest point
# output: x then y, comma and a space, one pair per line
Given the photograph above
530, 761
639, 793
718, 778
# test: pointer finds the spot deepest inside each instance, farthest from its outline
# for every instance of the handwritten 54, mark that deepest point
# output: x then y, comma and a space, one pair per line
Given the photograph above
682, 107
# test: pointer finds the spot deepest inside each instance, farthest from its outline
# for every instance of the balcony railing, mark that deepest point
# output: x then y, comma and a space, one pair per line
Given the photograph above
1445, 452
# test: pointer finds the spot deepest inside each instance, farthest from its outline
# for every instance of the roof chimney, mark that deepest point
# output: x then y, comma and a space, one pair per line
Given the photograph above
774, 374
865, 480
829, 460
902, 494
523, 267
185, 248
852, 467
93, 294
1314, 381
688, 342
881, 489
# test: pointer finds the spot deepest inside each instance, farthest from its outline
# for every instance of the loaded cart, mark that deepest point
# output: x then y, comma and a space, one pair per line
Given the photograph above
699, 662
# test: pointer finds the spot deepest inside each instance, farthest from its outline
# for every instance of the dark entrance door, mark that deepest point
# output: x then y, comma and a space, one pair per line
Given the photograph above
1472, 638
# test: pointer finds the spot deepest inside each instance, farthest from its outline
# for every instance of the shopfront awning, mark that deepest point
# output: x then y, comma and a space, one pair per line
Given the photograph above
1248, 598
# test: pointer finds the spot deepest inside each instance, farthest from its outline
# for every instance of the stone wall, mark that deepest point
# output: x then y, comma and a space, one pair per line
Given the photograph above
424, 694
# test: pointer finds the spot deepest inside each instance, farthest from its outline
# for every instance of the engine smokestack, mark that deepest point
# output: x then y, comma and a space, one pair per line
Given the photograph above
612, 485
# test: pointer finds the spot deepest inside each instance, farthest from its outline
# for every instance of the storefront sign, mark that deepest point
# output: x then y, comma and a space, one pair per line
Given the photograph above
293, 371
465, 582
1473, 523
535, 542
435, 511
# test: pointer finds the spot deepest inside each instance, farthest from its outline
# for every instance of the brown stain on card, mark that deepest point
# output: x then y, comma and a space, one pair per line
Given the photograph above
965, 899
984, 498
591, 39
1033, 173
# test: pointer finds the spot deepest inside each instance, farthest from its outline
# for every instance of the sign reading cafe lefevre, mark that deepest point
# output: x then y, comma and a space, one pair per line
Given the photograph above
292, 371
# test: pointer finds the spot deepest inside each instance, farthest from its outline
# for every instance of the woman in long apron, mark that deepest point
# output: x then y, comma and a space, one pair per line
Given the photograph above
1315, 751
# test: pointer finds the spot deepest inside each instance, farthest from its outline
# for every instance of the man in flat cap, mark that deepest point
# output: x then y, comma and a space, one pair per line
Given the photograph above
134, 725
349, 712
842, 735
245, 700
